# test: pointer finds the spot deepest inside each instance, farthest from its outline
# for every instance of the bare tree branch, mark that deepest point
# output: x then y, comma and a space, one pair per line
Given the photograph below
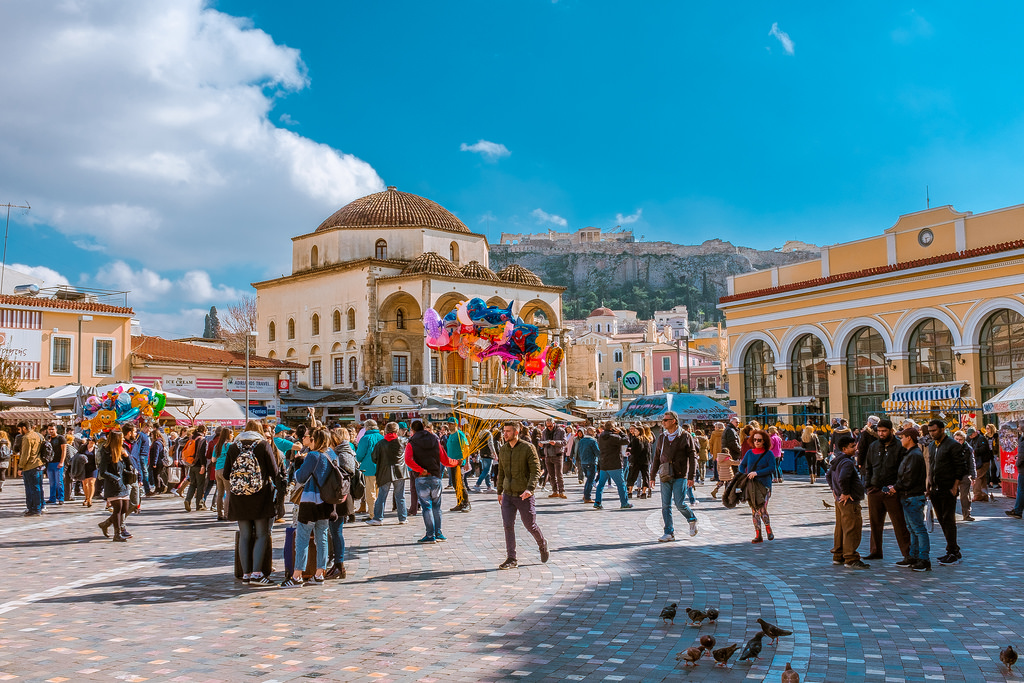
240, 319
10, 373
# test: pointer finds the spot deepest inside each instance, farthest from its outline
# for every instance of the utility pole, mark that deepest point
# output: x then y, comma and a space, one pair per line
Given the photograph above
7, 229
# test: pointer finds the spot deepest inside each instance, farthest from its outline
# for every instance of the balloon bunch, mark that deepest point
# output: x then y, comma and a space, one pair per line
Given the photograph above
104, 413
477, 331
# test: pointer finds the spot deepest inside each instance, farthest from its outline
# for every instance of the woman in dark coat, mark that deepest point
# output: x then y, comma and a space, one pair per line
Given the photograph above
254, 511
639, 462
112, 464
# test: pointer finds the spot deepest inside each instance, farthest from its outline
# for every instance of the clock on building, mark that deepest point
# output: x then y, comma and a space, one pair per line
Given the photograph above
925, 237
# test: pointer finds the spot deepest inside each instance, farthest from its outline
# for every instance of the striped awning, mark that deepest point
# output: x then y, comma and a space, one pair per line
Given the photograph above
926, 398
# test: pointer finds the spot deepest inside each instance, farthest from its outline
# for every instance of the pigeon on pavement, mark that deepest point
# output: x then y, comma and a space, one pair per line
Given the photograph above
827, 506
712, 613
690, 655
669, 613
1008, 656
696, 616
790, 676
753, 647
707, 642
773, 631
722, 654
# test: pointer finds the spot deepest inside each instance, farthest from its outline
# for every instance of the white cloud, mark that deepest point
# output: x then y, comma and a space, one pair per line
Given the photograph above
147, 124
147, 286
631, 218
491, 151
543, 216
50, 277
783, 38
188, 322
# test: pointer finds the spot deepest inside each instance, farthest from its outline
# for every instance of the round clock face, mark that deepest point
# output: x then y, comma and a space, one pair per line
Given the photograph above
925, 237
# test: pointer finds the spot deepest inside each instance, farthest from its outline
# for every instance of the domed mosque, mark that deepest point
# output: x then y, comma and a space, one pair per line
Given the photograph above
352, 307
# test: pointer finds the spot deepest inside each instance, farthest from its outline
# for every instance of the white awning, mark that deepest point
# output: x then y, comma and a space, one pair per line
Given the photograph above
223, 411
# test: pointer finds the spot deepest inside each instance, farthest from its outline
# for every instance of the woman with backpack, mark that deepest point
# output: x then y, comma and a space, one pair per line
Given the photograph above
112, 466
314, 513
251, 469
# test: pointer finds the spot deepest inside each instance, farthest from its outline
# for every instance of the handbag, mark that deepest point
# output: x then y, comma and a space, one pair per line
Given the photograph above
129, 475
929, 515
665, 472
296, 495
174, 475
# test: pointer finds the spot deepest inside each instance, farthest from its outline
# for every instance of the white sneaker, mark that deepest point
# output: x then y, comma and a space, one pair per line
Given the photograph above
403, 521
693, 528
374, 522
666, 538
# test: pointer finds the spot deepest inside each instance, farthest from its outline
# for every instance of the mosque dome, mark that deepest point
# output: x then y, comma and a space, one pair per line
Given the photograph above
393, 209
432, 263
519, 275
478, 271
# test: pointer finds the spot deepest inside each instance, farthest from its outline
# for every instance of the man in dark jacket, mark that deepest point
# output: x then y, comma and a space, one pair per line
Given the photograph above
390, 468
554, 441
425, 456
674, 450
946, 468
868, 436
609, 460
848, 491
881, 467
731, 438
197, 472
982, 461
588, 452
518, 473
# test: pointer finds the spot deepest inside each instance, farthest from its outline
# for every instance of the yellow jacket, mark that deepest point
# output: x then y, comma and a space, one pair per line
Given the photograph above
31, 446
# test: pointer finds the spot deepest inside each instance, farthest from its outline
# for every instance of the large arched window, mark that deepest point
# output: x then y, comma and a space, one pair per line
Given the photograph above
758, 377
380, 250
315, 324
351, 318
453, 252
337, 321
810, 376
866, 374
1002, 355
352, 369
272, 332
931, 353
400, 319
314, 257
291, 328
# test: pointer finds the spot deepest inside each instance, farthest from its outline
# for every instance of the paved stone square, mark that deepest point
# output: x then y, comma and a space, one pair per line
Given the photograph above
164, 607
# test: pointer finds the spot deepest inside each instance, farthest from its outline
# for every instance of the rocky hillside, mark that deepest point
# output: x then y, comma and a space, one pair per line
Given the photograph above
640, 276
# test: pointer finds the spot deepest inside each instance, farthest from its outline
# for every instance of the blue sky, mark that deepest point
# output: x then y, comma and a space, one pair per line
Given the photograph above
174, 148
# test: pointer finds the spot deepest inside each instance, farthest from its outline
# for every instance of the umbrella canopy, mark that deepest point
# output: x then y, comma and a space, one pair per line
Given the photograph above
6, 400
172, 399
689, 407
1009, 400
63, 397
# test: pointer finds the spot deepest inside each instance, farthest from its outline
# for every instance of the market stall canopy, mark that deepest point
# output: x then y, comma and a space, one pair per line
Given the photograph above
33, 416
6, 400
65, 397
172, 399
688, 407
789, 401
224, 411
920, 399
1009, 400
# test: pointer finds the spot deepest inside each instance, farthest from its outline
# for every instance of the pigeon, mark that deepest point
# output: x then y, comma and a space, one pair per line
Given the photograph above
696, 616
722, 654
690, 655
712, 613
753, 647
772, 631
790, 676
827, 506
669, 613
707, 642
1008, 656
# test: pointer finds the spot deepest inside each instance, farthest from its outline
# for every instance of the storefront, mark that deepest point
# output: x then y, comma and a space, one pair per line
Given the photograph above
390, 405
1008, 406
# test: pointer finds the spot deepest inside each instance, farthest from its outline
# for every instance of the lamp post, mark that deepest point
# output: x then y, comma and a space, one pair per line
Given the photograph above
81, 319
248, 335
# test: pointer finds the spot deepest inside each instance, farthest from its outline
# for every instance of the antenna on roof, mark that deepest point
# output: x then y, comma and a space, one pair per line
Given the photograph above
927, 198
3, 267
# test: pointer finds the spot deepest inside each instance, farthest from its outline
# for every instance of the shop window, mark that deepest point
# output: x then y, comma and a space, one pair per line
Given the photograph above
931, 353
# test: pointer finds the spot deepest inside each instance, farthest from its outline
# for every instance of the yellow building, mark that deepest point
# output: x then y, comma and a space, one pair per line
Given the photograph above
934, 302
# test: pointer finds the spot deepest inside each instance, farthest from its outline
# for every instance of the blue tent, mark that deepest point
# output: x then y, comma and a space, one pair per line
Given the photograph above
689, 407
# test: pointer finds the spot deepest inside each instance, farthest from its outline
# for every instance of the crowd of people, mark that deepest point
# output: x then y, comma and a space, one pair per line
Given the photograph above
334, 475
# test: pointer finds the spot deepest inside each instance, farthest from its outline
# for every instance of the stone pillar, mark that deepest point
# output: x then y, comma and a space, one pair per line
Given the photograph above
838, 398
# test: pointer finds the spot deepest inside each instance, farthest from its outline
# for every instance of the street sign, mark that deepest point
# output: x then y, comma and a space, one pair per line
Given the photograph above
632, 380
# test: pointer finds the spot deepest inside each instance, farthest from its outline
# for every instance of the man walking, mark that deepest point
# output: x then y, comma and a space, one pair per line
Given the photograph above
197, 471
554, 441
518, 472
848, 491
674, 464
30, 463
946, 469
731, 439
609, 460
457, 448
364, 450
982, 462
588, 452
387, 457
881, 467
425, 456
55, 467
141, 447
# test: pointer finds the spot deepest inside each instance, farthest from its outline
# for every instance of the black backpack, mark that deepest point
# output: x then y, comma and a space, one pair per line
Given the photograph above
46, 452
335, 487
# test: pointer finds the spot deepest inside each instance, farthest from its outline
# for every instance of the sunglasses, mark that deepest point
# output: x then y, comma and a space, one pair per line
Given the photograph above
758, 440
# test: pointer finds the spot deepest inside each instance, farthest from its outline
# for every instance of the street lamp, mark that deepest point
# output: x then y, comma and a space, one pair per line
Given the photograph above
248, 335
82, 319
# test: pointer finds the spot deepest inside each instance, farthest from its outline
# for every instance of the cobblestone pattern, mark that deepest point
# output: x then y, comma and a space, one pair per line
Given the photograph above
164, 607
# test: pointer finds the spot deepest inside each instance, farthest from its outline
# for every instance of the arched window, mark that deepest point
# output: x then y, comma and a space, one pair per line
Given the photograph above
291, 328
400, 319
352, 369
315, 324
758, 377
617, 357
1002, 362
867, 378
380, 250
351, 318
314, 257
810, 375
272, 332
337, 321
931, 353
453, 253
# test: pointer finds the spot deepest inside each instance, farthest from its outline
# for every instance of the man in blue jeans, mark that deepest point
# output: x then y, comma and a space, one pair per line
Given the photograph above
31, 465
425, 456
587, 452
1018, 506
674, 463
55, 468
610, 443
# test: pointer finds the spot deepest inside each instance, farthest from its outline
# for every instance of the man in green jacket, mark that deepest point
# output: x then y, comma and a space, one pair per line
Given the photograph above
518, 472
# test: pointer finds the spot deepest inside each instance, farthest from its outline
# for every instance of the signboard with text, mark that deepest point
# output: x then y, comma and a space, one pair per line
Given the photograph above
257, 385
392, 398
176, 383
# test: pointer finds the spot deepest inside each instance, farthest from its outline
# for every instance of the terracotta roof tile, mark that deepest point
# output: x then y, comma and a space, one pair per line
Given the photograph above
158, 349
63, 304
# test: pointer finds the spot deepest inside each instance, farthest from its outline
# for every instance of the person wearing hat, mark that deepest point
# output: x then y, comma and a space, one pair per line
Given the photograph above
911, 485
881, 466
868, 436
